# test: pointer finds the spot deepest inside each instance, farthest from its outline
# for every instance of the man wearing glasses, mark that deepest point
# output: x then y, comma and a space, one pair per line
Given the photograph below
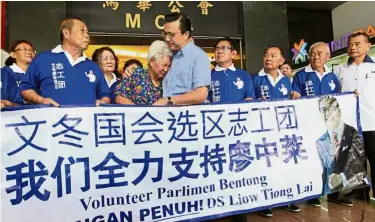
189, 78
229, 84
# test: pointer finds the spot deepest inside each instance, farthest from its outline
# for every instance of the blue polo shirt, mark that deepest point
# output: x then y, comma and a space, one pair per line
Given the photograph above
68, 82
230, 85
8, 85
264, 85
190, 69
16, 72
308, 83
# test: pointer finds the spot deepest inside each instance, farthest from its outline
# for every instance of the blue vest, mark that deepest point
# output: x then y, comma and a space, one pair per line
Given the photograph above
264, 88
56, 78
309, 84
231, 86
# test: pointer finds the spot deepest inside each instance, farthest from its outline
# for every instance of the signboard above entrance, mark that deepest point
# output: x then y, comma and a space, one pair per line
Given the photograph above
209, 18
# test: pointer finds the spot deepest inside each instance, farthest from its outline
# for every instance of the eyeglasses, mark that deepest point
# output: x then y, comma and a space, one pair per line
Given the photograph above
25, 49
223, 47
170, 34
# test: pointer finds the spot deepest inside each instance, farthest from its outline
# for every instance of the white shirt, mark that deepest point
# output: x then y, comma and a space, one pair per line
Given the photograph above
16, 68
218, 68
270, 78
59, 49
113, 80
362, 78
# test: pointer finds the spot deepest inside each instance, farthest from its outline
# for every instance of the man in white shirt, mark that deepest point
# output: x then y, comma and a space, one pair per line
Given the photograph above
358, 75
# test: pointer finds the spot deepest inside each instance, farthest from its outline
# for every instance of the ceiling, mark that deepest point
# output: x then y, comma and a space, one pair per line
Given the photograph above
314, 5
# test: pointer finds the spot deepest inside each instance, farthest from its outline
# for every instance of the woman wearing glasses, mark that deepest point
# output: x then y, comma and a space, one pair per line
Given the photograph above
21, 54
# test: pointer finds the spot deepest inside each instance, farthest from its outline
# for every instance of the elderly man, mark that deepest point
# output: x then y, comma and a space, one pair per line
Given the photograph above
228, 83
65, 75
358, 75
315, 79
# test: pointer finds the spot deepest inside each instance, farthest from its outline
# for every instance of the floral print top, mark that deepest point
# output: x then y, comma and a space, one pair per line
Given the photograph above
139, 88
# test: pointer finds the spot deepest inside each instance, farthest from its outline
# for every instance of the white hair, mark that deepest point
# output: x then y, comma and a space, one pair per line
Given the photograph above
318, 44
158, 49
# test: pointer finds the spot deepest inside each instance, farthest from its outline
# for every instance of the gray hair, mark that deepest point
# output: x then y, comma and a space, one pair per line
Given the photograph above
317, 44
158, 49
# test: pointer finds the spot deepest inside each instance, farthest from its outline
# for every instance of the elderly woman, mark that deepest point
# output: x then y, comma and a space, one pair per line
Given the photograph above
144, 87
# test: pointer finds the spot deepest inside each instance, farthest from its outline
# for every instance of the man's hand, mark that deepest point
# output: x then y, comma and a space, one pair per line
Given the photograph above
5, 103
128, 72
47, 101
295, 95
249, 98
160, 102
335, 180
99, 102
356, 93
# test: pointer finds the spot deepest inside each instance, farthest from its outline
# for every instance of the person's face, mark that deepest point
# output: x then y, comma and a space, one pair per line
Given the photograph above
224, 53
272, 59
358, 46
173, 36
331, 114
319, 55
107, 62
79, 35
23, 53
161, 66
286, 70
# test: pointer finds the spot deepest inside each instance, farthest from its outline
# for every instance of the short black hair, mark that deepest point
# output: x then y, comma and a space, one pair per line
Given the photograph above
185, 23
67, 23
367, 37
287, 62
131, 62
273, 46
232, 44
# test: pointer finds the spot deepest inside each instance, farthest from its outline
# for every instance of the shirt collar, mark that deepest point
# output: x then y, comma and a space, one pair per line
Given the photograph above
110, 83
273, 82
59, 49
16, 68
218, 68
367, 59
310, 69
185, 50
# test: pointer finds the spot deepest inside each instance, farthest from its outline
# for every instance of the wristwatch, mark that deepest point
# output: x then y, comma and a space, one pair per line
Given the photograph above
169, 102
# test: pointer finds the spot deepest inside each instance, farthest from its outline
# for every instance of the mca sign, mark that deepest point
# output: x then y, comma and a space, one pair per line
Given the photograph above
299, 52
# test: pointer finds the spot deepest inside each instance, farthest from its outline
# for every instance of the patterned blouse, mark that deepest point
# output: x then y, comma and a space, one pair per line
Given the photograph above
139, 88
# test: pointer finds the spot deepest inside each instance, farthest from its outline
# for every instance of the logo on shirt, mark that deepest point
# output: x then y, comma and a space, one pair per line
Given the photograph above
91, 76
309, 87
58, 75
215, 85
283, 90
264, 91
332, 85
239, 83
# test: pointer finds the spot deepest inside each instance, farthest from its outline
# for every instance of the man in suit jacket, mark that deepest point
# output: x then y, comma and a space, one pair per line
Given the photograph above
340, 150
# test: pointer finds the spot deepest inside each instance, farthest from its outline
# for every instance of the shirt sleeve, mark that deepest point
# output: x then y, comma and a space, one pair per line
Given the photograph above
336, 81
201, 71
125, 87
249, 86
102, 89
9, 88
31, 79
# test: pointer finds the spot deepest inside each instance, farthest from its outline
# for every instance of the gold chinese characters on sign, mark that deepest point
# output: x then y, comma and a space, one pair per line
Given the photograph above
204, 5
112, 4
175, 6
144, 5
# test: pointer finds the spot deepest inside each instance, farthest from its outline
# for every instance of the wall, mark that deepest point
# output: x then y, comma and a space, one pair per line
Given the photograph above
265, 24
351, 16
37, 22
